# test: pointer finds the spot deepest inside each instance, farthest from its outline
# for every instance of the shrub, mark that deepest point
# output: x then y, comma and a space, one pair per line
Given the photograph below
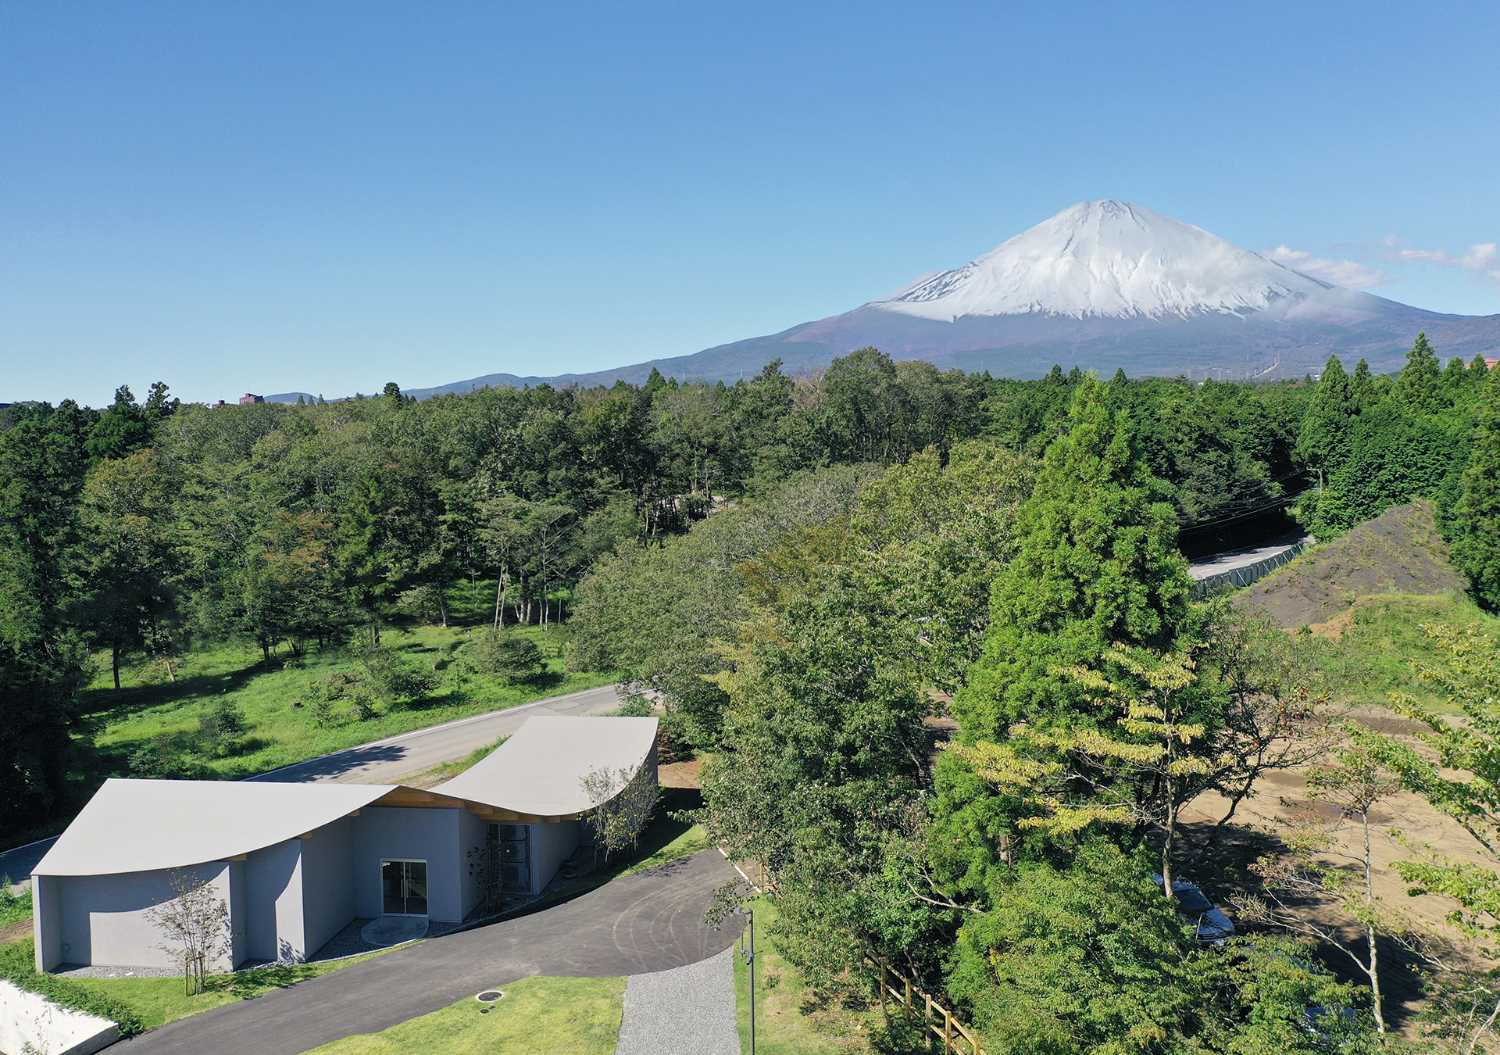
164, 758
222, 729
394, 679
635, 707
18, 967
323, 712
514, 658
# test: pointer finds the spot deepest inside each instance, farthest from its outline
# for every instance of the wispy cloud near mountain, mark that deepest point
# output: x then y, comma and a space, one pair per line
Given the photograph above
1352, 274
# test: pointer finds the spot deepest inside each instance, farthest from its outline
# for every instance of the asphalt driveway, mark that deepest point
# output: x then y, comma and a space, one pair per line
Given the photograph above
648, 922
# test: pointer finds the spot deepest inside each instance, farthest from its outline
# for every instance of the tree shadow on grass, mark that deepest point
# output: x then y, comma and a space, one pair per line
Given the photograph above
101, 705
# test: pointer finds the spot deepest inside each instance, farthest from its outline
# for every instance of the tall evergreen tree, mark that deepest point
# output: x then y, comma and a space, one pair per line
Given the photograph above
1097, 564
1476, 515
1419, 388
1361, 386
1323, 438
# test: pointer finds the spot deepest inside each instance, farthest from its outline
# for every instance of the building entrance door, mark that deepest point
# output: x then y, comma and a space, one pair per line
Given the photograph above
403, 888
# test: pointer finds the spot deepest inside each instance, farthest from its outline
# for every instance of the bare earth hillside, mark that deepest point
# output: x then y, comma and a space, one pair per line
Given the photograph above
1399, 552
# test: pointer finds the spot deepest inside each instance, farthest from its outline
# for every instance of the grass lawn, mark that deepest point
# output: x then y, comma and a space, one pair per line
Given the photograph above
1379, 648
151, 710
687, 841
537, 1016
788, 1019
161, 1000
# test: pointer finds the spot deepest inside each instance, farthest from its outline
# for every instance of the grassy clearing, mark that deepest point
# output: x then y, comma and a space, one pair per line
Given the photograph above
1379, 649
161, 1000
789, 1020
14, 907
151, 710
684, 844
537, 1016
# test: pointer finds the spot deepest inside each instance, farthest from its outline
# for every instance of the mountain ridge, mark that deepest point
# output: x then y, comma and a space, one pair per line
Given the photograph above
1101, 285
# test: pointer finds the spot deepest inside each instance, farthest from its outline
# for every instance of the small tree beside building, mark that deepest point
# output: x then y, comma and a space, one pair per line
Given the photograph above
624, 802
194, 925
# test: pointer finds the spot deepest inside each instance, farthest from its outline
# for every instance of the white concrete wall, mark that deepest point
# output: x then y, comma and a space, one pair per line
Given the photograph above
26, 1018
104, 919
46, 921
551, 845
396, 832
472, 831
273, 902
327, 883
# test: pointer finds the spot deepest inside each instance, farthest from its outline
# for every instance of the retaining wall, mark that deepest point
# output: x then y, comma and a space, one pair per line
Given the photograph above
1247, 574
29, 1019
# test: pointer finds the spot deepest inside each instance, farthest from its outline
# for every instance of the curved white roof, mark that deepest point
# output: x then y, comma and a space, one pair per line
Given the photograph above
140, 825
145, 825
540, 769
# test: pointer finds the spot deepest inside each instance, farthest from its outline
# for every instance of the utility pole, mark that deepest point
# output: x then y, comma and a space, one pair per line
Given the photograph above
750, 962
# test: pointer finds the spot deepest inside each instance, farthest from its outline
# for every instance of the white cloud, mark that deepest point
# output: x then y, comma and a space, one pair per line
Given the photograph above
1481, 256
1349, 273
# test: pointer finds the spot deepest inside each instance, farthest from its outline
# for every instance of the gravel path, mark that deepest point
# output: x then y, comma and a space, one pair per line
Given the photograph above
685, 1011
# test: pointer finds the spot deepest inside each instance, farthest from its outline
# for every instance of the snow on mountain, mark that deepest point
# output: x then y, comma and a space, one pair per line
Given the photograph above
1104, 285
1108, 259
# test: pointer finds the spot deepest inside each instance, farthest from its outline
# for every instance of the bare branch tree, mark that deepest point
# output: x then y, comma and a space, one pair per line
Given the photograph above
195, 926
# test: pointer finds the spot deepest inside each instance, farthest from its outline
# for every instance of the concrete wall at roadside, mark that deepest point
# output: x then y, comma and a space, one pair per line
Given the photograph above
398, 833
26, 1018
105, 919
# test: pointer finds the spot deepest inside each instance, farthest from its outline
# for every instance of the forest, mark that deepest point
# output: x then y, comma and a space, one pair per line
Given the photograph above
932, 632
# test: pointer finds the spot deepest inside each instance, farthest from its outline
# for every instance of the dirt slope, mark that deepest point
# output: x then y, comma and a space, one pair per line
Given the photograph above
1399, 551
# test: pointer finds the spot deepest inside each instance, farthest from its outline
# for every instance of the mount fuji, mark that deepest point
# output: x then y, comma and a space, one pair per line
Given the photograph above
1101, 285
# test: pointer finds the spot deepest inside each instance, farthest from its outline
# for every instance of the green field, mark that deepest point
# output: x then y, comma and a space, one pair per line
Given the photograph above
537, 1016
149, 709
1379, 648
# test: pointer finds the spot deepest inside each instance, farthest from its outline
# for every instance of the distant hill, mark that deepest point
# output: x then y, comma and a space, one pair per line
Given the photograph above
1399, 552
1101, 285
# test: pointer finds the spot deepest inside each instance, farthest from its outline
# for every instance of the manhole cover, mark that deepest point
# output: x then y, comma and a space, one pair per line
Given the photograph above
489, 996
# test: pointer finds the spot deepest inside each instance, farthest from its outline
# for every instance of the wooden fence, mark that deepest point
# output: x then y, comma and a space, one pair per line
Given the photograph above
941, 1025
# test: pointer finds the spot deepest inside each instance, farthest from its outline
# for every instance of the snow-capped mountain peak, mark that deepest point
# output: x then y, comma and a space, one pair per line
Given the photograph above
1109, 259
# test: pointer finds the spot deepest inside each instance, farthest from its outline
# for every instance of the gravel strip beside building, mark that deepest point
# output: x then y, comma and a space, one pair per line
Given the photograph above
685, 1011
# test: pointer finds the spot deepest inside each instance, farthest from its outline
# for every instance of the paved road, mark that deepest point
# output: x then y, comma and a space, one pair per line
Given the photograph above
685, 1011
387, 761
391, 760
644, 923
1218, 563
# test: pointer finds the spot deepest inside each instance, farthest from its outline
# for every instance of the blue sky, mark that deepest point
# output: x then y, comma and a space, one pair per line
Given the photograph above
327, 196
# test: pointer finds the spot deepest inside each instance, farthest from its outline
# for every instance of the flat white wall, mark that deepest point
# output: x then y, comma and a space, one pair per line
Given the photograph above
46, 921
551, 845
398, 832
273, 902
26, 1018
104, 919
327, 883
472, 831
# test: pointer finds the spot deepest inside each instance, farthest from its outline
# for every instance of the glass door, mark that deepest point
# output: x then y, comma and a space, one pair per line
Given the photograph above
403, 887
515, 858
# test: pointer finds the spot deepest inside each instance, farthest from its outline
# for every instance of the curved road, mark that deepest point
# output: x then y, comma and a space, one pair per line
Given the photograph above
388, 761
643, 923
